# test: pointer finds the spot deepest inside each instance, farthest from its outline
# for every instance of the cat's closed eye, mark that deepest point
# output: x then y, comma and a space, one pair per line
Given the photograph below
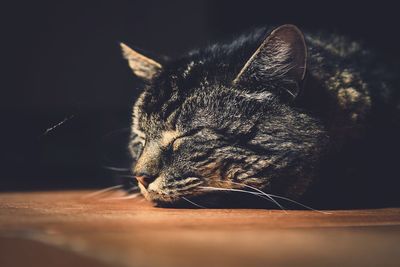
177, 143
182, 138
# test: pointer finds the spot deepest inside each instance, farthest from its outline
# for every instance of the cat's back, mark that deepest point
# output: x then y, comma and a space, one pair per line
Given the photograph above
350, 80
345, 82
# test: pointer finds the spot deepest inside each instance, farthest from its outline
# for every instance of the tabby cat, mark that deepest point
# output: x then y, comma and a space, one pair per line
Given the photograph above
263, 116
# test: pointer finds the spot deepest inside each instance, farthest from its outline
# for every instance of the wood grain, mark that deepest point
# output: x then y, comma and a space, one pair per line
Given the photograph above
76, 230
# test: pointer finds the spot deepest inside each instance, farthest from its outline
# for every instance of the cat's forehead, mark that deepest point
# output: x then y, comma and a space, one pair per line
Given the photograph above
183, 84
178, 81
193, 72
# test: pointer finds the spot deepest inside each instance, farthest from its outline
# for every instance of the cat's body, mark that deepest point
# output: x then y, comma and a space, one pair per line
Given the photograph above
268, 111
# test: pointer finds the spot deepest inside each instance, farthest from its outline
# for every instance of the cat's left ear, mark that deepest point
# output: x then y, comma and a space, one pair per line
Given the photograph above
278, 65
142, 66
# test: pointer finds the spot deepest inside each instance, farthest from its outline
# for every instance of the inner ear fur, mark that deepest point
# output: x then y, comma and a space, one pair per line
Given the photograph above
278, 64
142, 66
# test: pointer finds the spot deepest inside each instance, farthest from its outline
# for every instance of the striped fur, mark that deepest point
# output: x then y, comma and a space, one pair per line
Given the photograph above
221, 115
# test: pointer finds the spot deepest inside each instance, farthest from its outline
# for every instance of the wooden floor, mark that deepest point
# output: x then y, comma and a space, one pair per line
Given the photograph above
74, 229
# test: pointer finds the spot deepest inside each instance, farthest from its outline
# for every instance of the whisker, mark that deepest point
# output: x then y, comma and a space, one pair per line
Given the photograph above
280, 197
131, 189
271, 196
229, 189
238, 190
134, 188
300, 204
116, 169
193, 203
125, 176
102, 191
123, 198
261, 192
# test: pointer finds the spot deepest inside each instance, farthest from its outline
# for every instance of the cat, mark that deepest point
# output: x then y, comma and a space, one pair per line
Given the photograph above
264, 115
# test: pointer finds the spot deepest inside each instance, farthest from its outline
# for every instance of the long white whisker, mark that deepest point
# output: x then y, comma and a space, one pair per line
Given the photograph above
298, 203
125, 176
102, 191
193, 203
124, 198
133, 188
280, 197
238, 190
262, 195
229, 189
262, 192
116, 169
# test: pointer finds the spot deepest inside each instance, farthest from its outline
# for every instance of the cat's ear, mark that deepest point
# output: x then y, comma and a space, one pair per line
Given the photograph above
278, 65
141, 65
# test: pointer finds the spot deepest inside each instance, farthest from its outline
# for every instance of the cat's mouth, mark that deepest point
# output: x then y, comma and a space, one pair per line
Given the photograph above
174, 200
213, 200
195, 192
202, 197
161, 193
199, 199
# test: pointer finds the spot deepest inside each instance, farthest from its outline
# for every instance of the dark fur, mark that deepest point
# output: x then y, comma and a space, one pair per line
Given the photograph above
252, 132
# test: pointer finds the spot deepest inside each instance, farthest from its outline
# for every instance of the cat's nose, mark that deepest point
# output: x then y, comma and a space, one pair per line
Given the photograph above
145, 179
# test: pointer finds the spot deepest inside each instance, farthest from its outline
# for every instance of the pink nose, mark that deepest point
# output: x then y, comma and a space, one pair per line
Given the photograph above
145, 180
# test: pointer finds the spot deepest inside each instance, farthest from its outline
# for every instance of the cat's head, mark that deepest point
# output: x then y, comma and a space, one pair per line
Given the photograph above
223, 118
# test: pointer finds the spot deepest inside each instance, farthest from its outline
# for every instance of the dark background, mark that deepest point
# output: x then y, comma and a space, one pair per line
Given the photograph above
62, 59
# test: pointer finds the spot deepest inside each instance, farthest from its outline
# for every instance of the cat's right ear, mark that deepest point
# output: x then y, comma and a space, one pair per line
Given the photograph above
278, 65
142, 66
